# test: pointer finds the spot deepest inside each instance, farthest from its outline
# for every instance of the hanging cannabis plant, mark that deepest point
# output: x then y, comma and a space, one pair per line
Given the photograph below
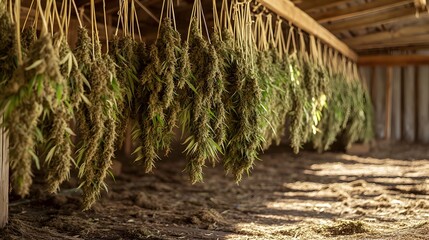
130, 57
123, 52
272, 66
157, 110
359, 126
245, 123
203, 104
97, 121
335, 115
37, 88
7, 48
56, 147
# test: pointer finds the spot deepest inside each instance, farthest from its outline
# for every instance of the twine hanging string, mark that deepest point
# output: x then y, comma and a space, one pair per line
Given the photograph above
105, 26
28, 15
216, 20
17, 19
279, 42
319, 52
77, 13
313, 51
198, 18
168, 10
259, 32
225, 16
120, 17
138, 24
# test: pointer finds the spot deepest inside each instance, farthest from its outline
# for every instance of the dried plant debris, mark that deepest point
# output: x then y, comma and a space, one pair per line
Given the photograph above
344, 228
203, 105
157, 109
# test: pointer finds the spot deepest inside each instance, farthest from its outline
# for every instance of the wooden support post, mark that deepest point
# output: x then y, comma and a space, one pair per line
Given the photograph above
388, 126
396, 104
423, 104
379, 97
4, 177
409, 113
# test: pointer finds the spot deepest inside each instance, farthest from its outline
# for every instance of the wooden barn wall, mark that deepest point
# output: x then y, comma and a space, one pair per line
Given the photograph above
400, 98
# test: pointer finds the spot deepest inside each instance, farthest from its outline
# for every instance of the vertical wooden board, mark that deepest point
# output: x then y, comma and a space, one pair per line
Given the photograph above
423, 104
409, 101
396, 104
388, 106
4, 177
365, 74
379, 99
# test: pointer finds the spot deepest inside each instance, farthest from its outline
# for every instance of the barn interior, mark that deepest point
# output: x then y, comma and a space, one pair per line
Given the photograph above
372, 187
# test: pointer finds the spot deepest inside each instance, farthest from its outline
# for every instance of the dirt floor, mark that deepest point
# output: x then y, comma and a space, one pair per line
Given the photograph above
384, 195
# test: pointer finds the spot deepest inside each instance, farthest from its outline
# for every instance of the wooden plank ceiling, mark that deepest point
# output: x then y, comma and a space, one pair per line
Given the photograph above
373, 26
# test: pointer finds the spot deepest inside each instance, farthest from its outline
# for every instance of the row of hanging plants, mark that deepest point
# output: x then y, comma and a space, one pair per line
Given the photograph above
234, 91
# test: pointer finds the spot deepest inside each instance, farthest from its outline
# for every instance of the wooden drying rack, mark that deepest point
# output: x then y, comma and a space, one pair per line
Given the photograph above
287, 10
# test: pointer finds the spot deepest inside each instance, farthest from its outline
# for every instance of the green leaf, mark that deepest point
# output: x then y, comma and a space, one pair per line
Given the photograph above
50, 154
85, 99
69, 131
35, 158
34, 65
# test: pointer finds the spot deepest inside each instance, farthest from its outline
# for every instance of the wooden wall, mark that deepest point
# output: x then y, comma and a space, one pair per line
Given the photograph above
400, 95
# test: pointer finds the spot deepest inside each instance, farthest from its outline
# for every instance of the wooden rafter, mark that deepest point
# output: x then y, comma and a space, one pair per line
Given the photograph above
394, 60
385, 36
410, 41
360, 10
290, 12
376, 19
310, 5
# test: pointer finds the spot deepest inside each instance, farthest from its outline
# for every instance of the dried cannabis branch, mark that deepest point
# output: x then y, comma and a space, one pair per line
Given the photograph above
203, 105
157, 110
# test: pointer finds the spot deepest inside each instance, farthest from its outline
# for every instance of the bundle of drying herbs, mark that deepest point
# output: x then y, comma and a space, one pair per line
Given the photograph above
124, 52
245, 104
97, 121
157, 110
348, 112
35, 94
275, 83
130, 56
203, 111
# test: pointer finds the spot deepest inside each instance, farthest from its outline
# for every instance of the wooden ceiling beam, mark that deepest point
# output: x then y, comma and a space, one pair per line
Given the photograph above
360, 10
394, 60
408, 41
411, 49
384, 36
287, 10
311, 5
375, 19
